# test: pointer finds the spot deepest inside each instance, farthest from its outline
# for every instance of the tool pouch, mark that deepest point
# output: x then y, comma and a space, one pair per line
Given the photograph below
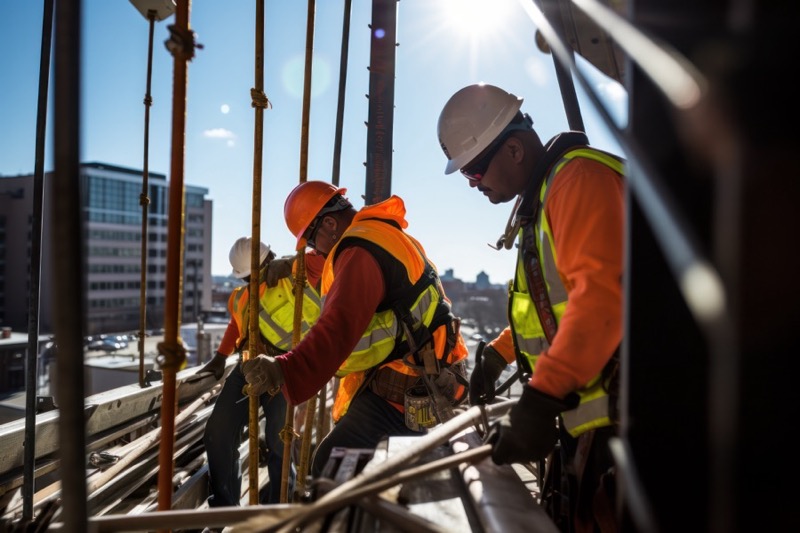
420, 411
421, 404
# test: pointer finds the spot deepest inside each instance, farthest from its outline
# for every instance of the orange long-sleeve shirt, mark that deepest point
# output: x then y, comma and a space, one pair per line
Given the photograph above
585, 209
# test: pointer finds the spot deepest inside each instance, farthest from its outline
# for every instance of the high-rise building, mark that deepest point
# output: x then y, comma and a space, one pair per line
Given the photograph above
112, 218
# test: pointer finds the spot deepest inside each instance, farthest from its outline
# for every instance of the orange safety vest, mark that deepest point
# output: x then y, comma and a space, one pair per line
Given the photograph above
379, 341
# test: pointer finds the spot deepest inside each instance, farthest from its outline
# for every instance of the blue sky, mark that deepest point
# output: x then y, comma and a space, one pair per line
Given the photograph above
443, 46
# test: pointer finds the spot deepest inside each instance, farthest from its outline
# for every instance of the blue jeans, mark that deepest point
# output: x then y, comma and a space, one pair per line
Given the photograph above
222, 438
368, 420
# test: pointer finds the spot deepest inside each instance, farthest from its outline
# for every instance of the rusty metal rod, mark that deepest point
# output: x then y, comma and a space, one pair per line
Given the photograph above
182, 47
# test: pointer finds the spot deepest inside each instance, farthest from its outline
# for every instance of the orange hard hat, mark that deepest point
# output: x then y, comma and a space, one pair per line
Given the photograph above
304, 204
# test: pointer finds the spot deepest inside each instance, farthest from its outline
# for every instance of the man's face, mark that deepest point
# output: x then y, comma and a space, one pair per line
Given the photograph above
318, 234
492, 173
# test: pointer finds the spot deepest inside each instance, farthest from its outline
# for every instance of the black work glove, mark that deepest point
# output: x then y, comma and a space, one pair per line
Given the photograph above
488, 366
216, 366
279, 269
263, 374
528, 432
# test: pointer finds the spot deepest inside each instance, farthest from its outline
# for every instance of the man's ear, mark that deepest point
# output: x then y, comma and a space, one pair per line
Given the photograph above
515, 148
330, 223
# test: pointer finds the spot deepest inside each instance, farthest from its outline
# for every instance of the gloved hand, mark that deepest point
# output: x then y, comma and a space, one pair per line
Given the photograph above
489, 364
263, 374
216, 366
279, 269
528, 432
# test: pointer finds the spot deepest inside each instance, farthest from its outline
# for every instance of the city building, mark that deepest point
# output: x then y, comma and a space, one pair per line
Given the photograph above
482, 304
13, 347
112, 214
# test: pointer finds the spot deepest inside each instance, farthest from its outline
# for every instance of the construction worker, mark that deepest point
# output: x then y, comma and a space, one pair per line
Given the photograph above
566, 298
386, 326
223, 431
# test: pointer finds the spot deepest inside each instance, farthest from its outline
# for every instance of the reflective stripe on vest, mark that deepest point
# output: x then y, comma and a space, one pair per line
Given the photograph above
593, 410
276, 317
276, 314
378, 340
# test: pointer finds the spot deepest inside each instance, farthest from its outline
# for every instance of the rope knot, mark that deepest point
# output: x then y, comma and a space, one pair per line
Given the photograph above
171, 356
287, 434
260, 99
181, 42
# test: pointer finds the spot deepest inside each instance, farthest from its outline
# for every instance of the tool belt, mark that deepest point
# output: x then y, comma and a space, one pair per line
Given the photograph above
413, 394
392, 385
429, 394
262, 346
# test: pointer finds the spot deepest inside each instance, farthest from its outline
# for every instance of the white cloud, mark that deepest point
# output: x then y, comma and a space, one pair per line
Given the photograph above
219, 133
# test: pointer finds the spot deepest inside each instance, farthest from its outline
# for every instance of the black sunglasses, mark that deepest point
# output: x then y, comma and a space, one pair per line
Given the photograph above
477, 169
313, 229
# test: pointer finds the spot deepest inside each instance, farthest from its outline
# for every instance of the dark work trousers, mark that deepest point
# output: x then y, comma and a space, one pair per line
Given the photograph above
589, 469
369, 419
223, 435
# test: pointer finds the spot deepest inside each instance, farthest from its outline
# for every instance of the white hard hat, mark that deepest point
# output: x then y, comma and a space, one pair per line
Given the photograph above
471, 120
239, 257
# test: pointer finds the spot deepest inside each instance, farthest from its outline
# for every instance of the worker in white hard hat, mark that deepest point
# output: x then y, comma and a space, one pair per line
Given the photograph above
565, 304
223, 431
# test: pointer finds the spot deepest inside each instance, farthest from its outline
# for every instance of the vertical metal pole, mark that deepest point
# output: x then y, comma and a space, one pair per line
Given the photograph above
380, 124
67, 245
259, 103
566, 85
300, 278
337, 141
304, 119
144, 201
31, 369
171, 350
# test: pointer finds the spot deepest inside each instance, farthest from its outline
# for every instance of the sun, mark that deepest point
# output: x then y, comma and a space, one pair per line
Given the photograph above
475, 30
475, 17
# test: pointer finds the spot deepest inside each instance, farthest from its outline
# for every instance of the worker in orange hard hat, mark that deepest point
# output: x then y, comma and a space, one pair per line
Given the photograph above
386, 329
307, 203
565, 305
223, 432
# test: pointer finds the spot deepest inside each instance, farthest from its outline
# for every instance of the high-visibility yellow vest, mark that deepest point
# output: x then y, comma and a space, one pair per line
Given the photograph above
276, 314
529, 337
